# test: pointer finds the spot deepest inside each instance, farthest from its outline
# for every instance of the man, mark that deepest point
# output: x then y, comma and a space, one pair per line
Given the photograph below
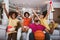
37, 29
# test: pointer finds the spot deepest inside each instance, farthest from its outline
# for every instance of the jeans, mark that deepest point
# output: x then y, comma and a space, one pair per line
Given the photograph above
47, 36
31, 36
12, 36
19, 34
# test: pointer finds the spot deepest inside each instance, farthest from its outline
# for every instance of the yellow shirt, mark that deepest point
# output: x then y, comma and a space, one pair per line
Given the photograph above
55, 25
44, 23
13, 22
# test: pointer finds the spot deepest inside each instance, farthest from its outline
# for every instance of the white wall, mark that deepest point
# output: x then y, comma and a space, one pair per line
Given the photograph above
5, 19
56, 4
50, 16
3, 34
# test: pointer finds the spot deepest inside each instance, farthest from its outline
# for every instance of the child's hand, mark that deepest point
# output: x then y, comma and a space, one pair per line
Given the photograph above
33, 10
11, 29
17, 9
47, 30
25, 29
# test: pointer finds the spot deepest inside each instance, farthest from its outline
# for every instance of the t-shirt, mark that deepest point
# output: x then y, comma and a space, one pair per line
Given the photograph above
13, 22
35, 27
44, 23
26, 21
53, 25
11, 25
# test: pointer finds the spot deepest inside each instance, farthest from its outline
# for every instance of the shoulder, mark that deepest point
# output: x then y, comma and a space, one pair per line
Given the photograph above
42, 25
31, 24
17, 20
45, 18
10, 17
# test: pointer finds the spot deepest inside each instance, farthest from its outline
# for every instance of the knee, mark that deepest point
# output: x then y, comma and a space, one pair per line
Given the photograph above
30, 30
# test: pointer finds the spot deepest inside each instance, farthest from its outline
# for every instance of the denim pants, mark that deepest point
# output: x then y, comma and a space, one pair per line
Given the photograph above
19, 34
12, 36
47, 36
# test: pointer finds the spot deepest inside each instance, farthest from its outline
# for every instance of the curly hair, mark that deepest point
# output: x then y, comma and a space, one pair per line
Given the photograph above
26, 13
13, 12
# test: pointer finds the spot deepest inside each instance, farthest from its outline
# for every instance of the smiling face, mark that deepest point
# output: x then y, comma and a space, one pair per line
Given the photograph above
36, 19
26, 14
13, 16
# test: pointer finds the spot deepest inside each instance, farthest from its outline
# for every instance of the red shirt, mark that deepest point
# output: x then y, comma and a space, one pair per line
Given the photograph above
26, 21
35, 27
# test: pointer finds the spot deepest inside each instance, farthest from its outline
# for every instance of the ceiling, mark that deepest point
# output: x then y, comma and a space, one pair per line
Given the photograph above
29, 3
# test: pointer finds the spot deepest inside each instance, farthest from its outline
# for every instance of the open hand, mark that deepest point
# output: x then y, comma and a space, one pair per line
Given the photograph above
17, 8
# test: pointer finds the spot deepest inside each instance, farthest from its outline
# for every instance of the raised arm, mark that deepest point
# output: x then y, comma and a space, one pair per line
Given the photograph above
36, 14
48, 12
32, 15
4, 8
17, 9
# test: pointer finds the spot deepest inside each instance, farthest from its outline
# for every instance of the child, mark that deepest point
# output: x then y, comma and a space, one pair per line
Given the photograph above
12, 23
26, 19
52, 26
24, 33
